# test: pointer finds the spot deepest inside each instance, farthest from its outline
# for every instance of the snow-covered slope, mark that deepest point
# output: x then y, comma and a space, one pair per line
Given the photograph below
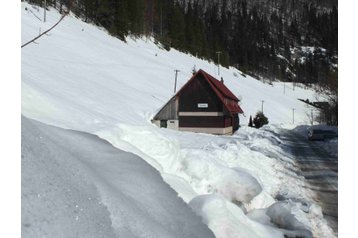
78, 77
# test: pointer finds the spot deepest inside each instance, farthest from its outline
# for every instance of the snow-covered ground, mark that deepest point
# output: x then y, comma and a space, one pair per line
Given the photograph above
78, 77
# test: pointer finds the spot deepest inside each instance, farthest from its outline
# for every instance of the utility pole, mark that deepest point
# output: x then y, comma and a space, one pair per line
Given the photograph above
312, 117
45, 12
176, 75
293, 85
262, 106
218, 52
293, 116
284, 88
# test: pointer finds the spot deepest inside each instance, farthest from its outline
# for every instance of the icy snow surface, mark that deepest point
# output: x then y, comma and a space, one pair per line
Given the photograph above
78, 77
329, 145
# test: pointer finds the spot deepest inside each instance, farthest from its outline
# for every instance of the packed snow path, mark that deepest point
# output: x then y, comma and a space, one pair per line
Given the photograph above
321, 172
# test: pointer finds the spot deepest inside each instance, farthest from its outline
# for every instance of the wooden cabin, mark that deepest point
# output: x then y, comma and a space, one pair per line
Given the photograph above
204, 104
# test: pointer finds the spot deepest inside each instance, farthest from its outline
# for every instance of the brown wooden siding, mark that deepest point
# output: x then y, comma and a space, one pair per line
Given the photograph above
192, 121
227, 121
169, 111
199, 91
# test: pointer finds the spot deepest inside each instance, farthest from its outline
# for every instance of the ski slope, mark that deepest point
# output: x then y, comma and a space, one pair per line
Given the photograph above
78, 77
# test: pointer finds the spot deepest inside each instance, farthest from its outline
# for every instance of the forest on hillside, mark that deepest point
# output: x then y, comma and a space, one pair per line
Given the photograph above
260, 37
286, 40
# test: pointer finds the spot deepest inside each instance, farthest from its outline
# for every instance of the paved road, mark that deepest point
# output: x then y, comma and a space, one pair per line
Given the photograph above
321, 171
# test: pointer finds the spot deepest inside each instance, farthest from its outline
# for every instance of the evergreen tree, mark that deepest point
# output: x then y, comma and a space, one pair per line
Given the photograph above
121, 19
260, 119
176, 29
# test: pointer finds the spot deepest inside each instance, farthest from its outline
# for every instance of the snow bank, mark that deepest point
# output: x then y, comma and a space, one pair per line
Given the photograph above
77, 185
249, 170
57, 198
281, 215
235, 184
204, 169
228, 220
286, 215
293, 220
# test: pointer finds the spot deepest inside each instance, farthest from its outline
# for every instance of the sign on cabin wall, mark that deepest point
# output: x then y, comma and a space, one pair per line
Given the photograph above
202, 105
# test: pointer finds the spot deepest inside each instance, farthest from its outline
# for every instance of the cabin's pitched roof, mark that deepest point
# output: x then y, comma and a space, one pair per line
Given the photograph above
220, 90
220, 86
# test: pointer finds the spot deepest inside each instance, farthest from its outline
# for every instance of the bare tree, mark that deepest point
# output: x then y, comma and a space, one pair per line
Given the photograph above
329, 92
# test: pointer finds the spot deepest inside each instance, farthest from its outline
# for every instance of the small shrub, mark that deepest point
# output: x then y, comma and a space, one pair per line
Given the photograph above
260, 119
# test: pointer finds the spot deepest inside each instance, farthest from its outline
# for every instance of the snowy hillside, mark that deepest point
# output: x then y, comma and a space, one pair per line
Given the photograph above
140, 77
78, 77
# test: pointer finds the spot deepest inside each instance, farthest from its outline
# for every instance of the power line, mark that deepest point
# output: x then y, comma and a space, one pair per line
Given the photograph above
44, 32
63, 16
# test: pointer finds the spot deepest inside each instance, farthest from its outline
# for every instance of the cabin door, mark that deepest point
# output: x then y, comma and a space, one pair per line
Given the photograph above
163, 123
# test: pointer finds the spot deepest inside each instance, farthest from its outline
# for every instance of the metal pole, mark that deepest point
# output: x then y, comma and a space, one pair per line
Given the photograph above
293, 116
262, 106
176, 75
312, 117
45, 12
218, 52
284, 88
293, 84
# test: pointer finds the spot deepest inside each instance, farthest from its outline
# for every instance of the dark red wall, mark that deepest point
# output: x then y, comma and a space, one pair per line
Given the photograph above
199, 91
192, 121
